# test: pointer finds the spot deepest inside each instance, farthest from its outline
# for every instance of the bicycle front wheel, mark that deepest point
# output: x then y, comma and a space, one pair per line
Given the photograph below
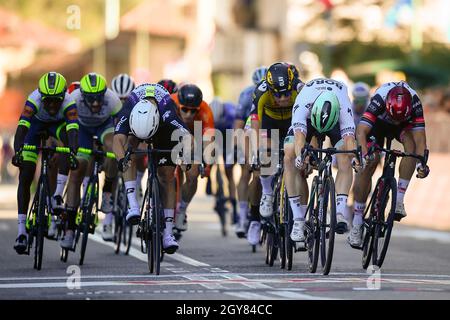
327, 218
313, 229
157, 227
41, 223
88, 217
386, 202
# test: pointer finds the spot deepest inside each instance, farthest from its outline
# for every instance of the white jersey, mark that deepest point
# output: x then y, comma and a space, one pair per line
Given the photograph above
305, 100
111, 106
35, 102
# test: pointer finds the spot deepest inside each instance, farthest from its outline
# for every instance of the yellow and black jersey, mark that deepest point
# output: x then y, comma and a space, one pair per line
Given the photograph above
264, 102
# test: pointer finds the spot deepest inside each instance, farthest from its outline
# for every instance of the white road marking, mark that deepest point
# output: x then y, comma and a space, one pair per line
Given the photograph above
213, 286
248, 295
295, 295
250, 284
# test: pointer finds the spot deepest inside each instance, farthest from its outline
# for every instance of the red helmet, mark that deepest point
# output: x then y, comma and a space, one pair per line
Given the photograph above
73, 86
399, 103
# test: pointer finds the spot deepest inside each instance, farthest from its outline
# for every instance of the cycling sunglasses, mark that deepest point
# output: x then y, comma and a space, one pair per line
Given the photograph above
91, 98
189, 110
52, 98
281, 94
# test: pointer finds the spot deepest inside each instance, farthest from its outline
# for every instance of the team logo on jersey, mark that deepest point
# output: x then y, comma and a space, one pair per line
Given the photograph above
166, 115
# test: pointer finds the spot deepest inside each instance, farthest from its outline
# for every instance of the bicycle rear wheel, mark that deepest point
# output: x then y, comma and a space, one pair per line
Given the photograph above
384, 222
327, 225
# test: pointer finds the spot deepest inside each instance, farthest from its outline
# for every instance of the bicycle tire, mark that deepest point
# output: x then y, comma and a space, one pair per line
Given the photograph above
289, 245
157, 225
313, 231
87, 219
119, 212
41, 222
384, 225
64, 254
367, 246
130, 237
118, 234
282, 241
327, 247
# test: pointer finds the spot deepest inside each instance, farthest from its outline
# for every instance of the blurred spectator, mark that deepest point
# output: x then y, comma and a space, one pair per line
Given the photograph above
7, 152
445, 101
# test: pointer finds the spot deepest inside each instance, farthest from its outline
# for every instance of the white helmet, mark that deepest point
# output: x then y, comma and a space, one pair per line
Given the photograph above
217, 109
122, 85
144, 119
360, 90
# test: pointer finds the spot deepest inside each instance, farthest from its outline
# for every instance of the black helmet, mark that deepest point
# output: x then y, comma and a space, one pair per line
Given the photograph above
170, 85
280, 77
190, 95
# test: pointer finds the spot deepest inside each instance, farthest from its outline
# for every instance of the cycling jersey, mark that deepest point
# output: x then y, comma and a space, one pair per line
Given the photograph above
377, 108
264, 102
166, 106
309, 94
34, 107
226, 121
245, 103
111, 106
204, 114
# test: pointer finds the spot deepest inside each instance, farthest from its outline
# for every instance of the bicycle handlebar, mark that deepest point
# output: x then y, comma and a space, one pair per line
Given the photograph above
397, 153
51, 149
89, 152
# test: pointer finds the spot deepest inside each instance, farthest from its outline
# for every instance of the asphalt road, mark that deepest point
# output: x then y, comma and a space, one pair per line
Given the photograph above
209, 266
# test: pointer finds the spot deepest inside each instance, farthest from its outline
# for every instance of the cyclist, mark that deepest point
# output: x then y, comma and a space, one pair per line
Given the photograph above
322, 108
122, 85
395, 111
48, 108
73, 86
157, 121
224, 114
191, 109
273, 100
170, 85
96, 106
244, 188
361, 99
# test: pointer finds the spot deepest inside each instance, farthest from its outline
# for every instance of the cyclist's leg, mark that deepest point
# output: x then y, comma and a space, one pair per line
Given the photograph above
26, 175
60, 134
129, 177
141, 166
406, 169
110, 168
297, 188
73, 187
188, 190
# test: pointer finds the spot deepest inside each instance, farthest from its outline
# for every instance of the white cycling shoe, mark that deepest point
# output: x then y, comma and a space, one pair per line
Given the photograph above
266, 206
254, 231
107, 233
133, 216
170, 245
341, 225
355, 237
67, 240
400, 212
298, 231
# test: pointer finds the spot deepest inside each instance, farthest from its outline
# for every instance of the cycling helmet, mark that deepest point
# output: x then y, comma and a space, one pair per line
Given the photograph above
93, 88
259, 74
217, 108
361, 90
73, 86
122, 85
294, 69
325, 112
52, 85
279, 78
144, 119
170, 85
190, 95
399, 103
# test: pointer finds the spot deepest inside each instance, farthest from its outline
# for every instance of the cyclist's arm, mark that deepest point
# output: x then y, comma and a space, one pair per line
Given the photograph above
71, 117
119, 142
346, 120
418, 126
29, 110
300, 114
361, 136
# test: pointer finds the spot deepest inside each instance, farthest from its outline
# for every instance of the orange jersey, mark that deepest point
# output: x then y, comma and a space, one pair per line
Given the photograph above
204, 115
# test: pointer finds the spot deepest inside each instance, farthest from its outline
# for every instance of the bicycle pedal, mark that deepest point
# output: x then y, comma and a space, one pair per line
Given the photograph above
398, 217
